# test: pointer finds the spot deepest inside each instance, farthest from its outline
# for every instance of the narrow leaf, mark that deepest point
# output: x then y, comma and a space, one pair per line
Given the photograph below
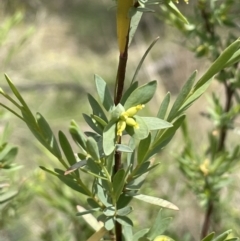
93, 124
143, 148
92, 148
140, 234
223, 236
128, 92
218, 64
123, 148
75, 166
125, 221
156, 201
159, 226
77, 134
67, 149
50, 140
96, 108
19, 97
173, 9
136, 17
103, 93
155, 123
143, 58
182, 96
127, 233
109, 135
118, 183
164, 106
124, 211
209, 237
87, 212
141, 95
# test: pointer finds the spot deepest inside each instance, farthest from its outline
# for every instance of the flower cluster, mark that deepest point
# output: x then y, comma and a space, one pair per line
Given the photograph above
126, 118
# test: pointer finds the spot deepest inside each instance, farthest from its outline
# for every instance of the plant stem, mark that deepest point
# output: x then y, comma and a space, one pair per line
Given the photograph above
119, 85
223, 132
207, 219
221, 146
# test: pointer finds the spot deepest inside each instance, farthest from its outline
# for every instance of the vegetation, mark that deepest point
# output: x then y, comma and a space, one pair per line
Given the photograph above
121, 143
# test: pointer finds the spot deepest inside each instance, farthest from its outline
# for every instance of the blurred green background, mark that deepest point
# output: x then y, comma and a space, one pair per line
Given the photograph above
51, 50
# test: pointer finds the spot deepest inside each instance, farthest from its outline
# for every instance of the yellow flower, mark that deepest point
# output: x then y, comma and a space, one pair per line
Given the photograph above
126, 119
121, 125
133, 110
204, 167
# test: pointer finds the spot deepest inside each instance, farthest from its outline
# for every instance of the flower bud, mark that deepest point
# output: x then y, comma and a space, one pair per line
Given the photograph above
121, 125
133, 110
131, 122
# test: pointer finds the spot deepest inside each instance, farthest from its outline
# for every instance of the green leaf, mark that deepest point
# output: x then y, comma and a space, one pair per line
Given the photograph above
19, 97
49, 138
123, 148
218, 64
93, 167
7, 155
140, 234
77, 135
127, 233
141, 132
118, 183
156, 201
209, 237
69, 181
67, 149
72, 184
124, 211
143, 58
159, 226
141, 95
96, 108
103, 93
164, 106
75, 166
109, 136
92, 149
109, 211
92, 203
136, 183
173, 9
101, 194
116, 112
145, 167
234, 59
5, 197
223, 236
155, 123
143, 147
100, 121
109, 223
128, 92
162, 140
182, 96
136, 17
88, 211
125, 221
193, 97
93, 124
